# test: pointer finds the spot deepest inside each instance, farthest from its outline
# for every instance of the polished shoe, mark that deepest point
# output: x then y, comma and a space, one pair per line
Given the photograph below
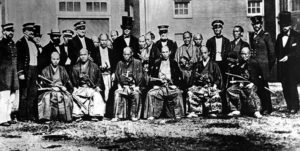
150, 118
94, 119
134, 119
78, 119
115, 119
192, 114
292, 111
234, 113
5, 124
212, 115
257, 114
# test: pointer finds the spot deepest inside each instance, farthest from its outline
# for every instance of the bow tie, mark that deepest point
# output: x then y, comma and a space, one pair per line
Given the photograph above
286, 34
218, 37
126, 36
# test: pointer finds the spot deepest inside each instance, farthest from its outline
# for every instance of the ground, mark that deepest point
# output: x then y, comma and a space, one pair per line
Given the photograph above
278, 131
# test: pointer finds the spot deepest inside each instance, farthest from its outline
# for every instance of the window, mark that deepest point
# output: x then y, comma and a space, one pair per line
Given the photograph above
69, 6
295, 5
96, 6
255, 7
82, 8
283, 5
182, 9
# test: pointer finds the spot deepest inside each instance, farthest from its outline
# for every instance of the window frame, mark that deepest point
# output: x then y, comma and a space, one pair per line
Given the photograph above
83, 9
190, 10
262, 8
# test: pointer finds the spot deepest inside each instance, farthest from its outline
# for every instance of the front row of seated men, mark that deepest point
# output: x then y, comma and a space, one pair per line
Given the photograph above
163, 95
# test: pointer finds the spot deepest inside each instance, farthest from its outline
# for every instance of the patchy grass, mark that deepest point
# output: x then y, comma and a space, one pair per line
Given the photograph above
278, 131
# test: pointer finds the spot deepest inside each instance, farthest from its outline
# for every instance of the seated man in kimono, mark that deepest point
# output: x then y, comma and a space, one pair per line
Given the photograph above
55, 101
206, 81
244, 78
165, 98
129, 75
88, 82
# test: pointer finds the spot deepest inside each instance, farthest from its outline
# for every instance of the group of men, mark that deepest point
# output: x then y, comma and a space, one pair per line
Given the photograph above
124, 77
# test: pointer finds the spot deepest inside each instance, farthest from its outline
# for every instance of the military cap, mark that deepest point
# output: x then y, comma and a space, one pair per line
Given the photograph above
37, 31
54, 32
163, 28
127, 22
285, 18
8, 26
28, 26
79, 24
256, 20
217, 22
67, 32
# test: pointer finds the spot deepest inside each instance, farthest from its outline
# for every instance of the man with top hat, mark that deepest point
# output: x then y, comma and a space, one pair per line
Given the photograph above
219, 46
9, 83
27, 66
79, 41
67, 35
262, 46
263, 51
165, 41
287, 50
53, 45
126, 40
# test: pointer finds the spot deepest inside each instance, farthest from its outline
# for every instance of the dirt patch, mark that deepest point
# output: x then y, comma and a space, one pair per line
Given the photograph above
278, 131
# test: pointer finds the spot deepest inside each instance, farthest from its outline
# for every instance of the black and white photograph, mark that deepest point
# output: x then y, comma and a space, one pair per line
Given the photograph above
149, 75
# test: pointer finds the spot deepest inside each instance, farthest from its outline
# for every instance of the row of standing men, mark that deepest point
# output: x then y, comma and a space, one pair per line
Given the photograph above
27, 59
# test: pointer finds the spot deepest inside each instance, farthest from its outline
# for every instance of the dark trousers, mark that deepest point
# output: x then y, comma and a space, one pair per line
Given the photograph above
265, 97
223, 67
290, 93
28, 95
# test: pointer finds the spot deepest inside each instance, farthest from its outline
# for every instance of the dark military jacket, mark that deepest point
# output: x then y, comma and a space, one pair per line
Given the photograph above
211, 46
8, 65
263, 51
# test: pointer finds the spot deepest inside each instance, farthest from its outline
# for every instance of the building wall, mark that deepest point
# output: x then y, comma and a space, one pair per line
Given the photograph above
44, 13
270, 19
232, 12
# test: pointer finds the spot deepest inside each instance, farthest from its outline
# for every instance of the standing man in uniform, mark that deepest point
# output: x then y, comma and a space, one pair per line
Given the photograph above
164, 41
263, 51
27, 65
262, 46
79, 41
287, 50
9, 83
126, 40
219, 46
